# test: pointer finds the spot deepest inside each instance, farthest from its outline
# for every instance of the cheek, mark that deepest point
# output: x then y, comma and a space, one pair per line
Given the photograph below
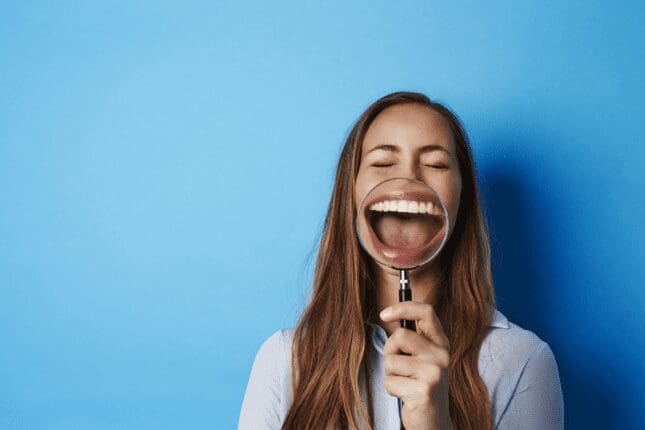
451, 195
361, 188
455, 200
359, 194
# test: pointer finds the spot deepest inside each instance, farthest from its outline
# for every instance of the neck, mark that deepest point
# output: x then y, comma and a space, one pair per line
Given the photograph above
424, 282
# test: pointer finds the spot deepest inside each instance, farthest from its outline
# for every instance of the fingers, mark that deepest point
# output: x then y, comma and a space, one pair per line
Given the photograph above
401, 365
417, 345
428, 322
399, 386
407, 388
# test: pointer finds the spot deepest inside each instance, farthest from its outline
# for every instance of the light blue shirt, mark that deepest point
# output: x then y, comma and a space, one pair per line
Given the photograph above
517, 367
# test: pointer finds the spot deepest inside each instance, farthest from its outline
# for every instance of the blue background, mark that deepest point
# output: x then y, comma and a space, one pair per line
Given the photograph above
165, 170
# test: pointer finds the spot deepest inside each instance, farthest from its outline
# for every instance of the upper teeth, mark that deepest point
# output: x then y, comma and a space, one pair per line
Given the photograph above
406, 206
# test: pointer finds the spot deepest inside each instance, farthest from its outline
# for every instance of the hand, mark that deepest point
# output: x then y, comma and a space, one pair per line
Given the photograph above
420, 379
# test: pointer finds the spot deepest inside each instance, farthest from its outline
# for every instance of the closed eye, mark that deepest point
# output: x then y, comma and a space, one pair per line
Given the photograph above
436, 166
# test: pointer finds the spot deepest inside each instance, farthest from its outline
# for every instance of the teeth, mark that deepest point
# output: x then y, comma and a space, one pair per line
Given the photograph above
406, 206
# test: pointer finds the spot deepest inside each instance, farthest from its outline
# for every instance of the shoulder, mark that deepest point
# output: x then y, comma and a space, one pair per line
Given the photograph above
508, 347
508, 342
510, 355
273, 358
268, 392
277, 345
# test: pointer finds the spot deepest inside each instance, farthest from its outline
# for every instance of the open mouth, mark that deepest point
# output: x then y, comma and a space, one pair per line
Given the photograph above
405, 231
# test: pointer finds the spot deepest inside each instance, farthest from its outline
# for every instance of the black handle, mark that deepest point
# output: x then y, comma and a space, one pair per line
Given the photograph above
405, 295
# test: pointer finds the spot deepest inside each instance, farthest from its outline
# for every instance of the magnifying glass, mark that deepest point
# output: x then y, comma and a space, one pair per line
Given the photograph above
402, 223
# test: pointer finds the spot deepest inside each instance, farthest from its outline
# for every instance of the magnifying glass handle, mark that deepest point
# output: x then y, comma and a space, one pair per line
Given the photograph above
405, 295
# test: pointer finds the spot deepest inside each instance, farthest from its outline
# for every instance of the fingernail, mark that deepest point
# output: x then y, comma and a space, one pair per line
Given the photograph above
385, 313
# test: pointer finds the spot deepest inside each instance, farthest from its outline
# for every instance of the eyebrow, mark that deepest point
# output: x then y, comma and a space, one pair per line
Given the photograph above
396, 149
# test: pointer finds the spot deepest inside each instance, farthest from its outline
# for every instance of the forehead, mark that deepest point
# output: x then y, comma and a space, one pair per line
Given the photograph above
409, 125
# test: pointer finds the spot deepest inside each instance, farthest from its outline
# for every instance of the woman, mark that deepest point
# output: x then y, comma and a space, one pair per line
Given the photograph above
465, 367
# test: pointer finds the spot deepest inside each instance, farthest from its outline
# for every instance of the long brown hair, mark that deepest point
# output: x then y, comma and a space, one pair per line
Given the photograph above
332, 339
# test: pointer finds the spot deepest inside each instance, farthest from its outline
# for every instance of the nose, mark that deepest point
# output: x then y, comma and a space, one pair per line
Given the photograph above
409, 168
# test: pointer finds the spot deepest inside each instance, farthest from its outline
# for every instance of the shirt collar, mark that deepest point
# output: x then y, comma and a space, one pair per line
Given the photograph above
380, 336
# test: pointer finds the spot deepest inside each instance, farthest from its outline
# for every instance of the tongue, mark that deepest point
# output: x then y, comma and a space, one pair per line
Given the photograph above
403, 231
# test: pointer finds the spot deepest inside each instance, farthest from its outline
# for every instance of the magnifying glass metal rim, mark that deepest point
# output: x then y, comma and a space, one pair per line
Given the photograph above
443, 240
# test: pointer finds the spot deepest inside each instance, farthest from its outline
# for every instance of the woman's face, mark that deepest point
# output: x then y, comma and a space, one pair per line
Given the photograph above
413, 141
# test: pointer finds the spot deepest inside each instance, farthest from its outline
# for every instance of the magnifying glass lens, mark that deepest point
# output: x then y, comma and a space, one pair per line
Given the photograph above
402, 223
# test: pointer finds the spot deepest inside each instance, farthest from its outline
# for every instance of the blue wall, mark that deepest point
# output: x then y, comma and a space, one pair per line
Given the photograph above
165, 170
